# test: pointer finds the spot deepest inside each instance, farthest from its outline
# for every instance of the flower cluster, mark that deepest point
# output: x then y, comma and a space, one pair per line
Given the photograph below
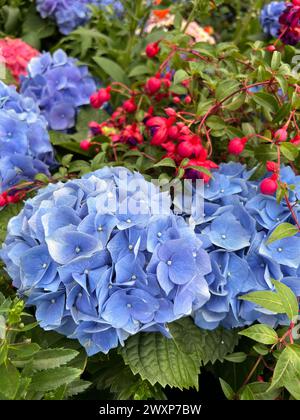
16, 54
170, 133
68, 14
238, 221
59, 86
282, 20
102, 258
25, 149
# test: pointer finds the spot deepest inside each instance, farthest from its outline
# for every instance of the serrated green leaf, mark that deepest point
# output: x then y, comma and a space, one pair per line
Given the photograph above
53, 358
24, 350
76, 387
288, 299
52, 379
159, 360
261, 333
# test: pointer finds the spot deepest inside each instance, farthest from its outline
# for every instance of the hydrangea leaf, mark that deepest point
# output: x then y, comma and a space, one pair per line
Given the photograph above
9, 380
52, 379
159, 360
53, 358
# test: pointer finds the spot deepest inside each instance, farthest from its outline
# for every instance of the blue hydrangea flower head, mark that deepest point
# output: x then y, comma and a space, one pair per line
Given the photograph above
25, 148
70, 14
100, 261
237, 223
269, 17
59, 86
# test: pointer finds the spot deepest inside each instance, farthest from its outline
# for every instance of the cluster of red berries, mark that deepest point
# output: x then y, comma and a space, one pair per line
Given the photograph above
6, 198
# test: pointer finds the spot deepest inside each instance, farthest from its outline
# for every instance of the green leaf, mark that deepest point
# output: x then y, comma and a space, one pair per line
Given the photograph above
9, 380
208, 346
226, 88
180, 76
166, 162
261, 333
76, 387
52, 379
258, 391
288, 299
159, 360
112, 69
24, 350
266, 101
268, 300
287, 371
289, 150
238, 357
285, 230
276, 60
2, 327
226, 388
53, 358
139, 70
261, 349
215, 122
5, 215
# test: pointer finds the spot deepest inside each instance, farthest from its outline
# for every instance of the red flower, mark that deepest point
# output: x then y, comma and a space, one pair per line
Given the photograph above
190, 146
16, 55
194, 174
131, 135
159, 127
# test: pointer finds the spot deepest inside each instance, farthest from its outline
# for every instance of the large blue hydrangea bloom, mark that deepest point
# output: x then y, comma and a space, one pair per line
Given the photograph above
269, 17
59, 86
25, 149
70, 14
237, 222
100, 262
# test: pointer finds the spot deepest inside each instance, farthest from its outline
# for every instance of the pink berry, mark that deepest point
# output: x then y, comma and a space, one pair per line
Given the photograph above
237, 145
153, 85
130, 106
268, 186
271, 48
281, 134
188, 99
85, 145
152, 49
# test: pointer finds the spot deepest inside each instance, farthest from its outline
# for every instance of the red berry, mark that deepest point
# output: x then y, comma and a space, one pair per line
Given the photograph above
269, 186
296, 2
176, 100
99, 98
237, 145
188, 99
272, 166
153, 85
170, 112
271, 48
85, 145
281, 134
296, 140
130, 106
152, 49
